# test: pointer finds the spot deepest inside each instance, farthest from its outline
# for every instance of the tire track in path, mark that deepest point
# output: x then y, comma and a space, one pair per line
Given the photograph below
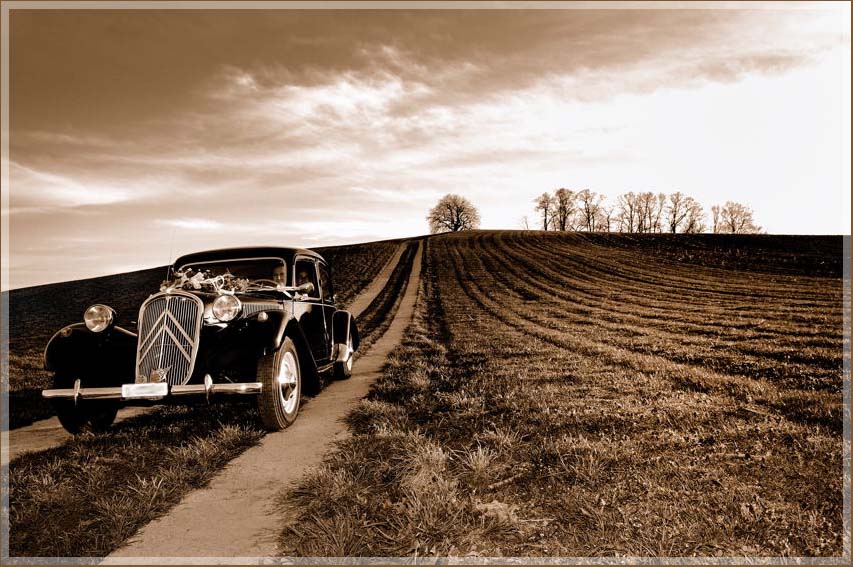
235, 517
363, 300
47, 433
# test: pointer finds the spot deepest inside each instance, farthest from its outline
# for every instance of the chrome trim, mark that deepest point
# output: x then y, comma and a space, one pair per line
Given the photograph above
239, 307
84, 393
341, 352
307, 298
251, 308
182, 347
188, 390
111, 322
237, 388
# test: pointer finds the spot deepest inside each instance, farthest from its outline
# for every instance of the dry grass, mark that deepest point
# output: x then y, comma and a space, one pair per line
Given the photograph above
576, 395
86, 497
29, 378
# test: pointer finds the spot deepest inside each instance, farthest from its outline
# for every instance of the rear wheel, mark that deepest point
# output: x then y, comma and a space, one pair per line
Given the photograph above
343, 369
85, 415
281, 390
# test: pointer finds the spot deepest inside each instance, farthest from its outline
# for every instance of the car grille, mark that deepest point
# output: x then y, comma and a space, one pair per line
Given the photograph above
169, 326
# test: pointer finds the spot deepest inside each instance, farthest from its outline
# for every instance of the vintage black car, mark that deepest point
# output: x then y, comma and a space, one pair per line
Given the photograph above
258, 321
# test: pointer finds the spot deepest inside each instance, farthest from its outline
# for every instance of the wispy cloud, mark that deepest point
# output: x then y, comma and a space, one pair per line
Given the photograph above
42, 188
193, 224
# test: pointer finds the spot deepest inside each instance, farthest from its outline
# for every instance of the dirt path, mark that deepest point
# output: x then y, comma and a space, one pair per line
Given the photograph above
363, 300
48, 433
235, 516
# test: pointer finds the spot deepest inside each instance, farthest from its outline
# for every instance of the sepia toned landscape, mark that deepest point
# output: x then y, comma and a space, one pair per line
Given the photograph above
436, 283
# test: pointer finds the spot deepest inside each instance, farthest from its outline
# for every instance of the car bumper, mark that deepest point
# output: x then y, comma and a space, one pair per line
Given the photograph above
119, 393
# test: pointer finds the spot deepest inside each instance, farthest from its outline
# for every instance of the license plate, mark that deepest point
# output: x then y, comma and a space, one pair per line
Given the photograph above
155, 390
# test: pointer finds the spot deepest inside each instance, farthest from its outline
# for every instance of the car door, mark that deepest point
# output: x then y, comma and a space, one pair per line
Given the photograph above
328, 295
308, 308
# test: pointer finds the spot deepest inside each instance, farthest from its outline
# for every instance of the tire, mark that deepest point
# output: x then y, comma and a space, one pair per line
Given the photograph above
278, 402
343, 370
85, 415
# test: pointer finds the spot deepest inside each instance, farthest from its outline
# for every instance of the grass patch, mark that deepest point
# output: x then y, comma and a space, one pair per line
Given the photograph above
25, 402
86, 497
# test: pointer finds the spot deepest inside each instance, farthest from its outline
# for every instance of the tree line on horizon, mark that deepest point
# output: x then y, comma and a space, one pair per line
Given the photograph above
642, 212
585, 210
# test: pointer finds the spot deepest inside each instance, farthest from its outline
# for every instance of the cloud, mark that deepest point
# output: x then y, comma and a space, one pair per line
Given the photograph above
46, 189
192, 224
395, 195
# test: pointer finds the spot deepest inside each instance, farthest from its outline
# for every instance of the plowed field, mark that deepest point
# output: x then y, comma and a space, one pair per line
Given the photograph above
576, 395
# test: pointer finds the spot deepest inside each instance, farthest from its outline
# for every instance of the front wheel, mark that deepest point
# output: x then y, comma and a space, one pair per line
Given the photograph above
281, 390
85, 415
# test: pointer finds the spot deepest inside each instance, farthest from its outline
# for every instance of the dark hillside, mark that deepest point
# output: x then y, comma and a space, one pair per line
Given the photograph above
35, 313
819, 256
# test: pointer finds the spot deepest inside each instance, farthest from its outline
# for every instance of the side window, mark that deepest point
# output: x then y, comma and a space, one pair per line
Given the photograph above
304, 272
325, 282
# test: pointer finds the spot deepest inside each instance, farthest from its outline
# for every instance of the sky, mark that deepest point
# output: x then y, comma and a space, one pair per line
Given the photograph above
139, 135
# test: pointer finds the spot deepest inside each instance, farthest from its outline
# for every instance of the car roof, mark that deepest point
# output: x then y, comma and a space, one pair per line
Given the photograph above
285, 253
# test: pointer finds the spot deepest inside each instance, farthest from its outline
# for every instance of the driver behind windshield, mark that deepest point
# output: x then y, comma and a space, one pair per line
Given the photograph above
279, 274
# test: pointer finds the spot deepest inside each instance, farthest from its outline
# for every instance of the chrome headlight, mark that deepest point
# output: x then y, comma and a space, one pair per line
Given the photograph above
226, 307
98, 317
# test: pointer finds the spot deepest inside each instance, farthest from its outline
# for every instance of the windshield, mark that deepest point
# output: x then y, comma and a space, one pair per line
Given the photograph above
231, 275
263, 268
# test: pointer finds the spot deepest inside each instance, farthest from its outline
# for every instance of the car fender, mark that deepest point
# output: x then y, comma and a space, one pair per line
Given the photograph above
105, 357
343, 324
311, 380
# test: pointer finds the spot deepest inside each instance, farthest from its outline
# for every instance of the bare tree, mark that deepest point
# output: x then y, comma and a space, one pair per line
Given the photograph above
642, 212
660, 204
683, 214
546, 206
605, 218
650, 209
694, 219
589, 203
643, 206
675, 211
453, 213
565, 207
626, 212
736, 218
715, 218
